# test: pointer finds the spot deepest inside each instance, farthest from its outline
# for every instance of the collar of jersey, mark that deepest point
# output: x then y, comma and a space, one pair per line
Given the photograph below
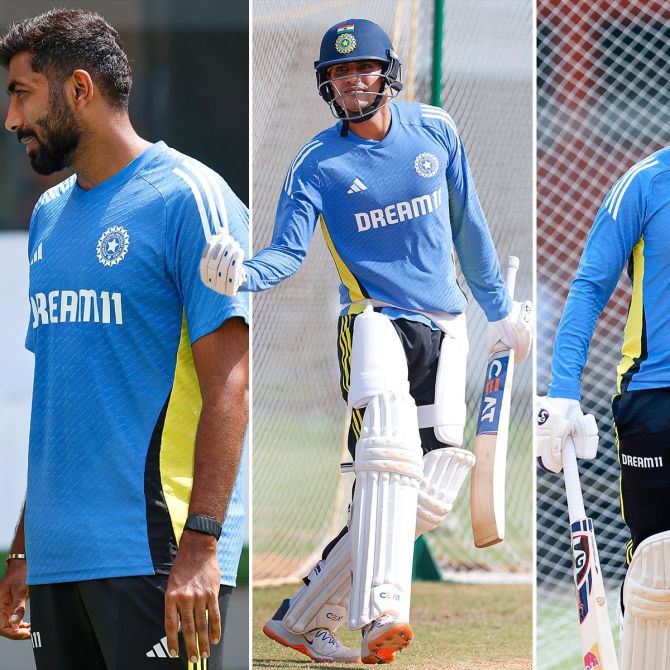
372, 144
124, 175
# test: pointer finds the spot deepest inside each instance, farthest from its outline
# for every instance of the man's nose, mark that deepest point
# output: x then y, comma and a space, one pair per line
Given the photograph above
12, 120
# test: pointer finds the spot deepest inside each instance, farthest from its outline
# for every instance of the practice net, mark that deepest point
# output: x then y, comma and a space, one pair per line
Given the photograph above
299, 417
603, 93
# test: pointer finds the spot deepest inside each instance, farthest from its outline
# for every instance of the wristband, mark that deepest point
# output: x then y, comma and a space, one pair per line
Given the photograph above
201, 523
13, 557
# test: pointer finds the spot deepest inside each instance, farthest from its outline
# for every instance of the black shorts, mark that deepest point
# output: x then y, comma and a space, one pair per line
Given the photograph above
422, 349
109, 624
642, 421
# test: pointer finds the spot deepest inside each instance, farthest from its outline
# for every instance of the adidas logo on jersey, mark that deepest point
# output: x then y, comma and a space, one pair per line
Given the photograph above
399, 211
37, 254
357, 186
36, 639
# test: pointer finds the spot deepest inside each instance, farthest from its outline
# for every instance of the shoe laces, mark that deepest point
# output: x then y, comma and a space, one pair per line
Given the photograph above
380, 621
327, 637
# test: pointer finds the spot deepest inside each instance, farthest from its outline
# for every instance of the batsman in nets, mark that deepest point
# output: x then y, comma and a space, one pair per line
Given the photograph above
631, 228
390, 186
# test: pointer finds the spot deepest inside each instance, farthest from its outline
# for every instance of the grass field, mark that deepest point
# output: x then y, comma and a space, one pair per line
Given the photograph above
558, 646
456, 627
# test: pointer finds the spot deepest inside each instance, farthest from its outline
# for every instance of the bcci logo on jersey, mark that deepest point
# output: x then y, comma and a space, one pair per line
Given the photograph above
113, 246
426, 165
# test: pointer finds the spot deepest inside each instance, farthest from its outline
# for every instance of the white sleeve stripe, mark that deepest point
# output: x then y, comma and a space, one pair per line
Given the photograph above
621, 194
198, 201
222, 206
200, 177
56, 191
428, 112
210, 177
297, 157
298, 164
620, 183
446, 118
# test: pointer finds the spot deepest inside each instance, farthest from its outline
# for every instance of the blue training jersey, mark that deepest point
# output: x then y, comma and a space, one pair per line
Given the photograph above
116, 303
632, 224
392, 213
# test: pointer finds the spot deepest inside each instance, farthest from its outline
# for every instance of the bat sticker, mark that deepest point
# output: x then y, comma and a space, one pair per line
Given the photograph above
494, 388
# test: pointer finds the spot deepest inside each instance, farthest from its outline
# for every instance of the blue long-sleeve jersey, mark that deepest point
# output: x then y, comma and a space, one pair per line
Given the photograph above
392, 213
633, 224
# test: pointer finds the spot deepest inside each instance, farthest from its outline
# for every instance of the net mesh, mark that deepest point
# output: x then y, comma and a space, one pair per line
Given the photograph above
299, 418
603, 83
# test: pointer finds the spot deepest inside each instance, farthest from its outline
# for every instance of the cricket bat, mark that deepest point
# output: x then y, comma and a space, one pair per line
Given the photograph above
487, 486
595, 632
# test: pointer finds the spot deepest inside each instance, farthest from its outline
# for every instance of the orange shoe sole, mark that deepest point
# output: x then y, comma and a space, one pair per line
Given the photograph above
297, 647
384, 648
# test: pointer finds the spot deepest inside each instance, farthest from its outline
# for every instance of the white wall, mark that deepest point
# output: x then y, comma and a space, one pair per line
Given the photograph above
16, 376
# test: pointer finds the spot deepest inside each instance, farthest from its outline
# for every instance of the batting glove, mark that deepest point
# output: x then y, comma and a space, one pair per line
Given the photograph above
515, 331
556, 419
221, 267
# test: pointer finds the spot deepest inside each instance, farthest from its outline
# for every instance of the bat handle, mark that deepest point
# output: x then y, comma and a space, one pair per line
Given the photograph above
573, 489
509, 273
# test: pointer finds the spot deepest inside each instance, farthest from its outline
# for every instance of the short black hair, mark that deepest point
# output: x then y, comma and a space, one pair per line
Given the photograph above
65, 40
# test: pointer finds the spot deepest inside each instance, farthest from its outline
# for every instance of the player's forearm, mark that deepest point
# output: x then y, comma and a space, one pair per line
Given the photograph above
219, 444
222, 362
18, 545
271, 266
589, 293
585, 302
479, 262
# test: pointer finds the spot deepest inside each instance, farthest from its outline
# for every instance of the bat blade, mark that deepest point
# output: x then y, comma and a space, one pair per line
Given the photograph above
595, 632
487, 487
594, 624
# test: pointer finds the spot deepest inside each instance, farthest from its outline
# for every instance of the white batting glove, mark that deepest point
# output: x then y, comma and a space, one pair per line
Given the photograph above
221, 267
515, 331
556, 419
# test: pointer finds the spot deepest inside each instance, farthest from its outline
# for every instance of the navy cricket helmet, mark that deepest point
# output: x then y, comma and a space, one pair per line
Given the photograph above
357, 40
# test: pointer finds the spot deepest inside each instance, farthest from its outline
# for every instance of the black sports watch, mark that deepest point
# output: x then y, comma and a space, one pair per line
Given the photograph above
201, 523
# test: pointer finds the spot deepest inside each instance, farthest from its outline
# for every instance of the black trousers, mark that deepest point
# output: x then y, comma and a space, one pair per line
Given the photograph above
422, 349
642, 421
109, 624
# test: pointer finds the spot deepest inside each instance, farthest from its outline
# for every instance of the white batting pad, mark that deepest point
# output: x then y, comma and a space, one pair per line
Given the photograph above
447, 414
646, 597
444, 471
378, 362
322, 603
389, 469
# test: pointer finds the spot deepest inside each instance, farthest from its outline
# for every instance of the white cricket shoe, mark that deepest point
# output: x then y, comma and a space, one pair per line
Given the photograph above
383, 638
319, 644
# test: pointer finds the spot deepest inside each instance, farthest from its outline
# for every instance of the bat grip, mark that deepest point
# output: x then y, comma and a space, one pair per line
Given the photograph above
573, 489
509, 273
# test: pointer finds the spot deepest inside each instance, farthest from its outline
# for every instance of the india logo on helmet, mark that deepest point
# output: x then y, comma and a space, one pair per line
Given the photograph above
345, 43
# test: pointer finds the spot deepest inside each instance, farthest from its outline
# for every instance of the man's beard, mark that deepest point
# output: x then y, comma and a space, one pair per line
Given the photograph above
60, 137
